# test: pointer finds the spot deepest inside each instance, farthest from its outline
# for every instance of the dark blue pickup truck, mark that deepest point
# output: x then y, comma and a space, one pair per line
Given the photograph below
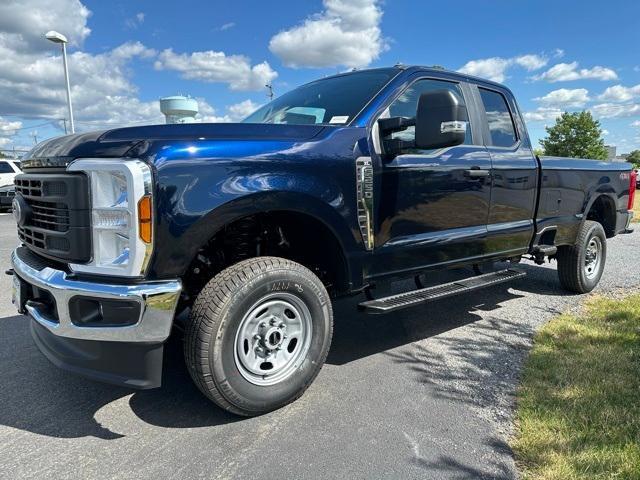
240, 235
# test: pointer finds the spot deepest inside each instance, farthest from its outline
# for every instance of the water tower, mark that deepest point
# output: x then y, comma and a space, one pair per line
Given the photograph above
179, 109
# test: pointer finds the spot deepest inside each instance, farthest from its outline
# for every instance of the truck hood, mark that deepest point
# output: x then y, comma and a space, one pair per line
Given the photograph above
122, 142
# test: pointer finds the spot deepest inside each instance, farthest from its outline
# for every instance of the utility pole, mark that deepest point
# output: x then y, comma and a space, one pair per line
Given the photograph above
270, 94
65, 125
34, 134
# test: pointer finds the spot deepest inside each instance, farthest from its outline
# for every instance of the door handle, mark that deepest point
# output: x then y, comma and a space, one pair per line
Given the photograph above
476, 173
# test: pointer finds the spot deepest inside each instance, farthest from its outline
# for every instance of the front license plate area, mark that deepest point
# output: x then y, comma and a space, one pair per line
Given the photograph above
18, 293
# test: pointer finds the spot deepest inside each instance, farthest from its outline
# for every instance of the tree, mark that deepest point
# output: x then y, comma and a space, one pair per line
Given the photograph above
634, 157
538, 152
575, 135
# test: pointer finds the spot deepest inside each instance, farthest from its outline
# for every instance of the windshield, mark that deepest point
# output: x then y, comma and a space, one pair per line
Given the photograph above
334, 100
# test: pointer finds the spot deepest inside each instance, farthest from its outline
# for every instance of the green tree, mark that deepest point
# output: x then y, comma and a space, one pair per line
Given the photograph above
575, 135
634, 157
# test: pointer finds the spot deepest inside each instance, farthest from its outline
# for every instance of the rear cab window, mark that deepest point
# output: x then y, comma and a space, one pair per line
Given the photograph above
5, 167
502, 128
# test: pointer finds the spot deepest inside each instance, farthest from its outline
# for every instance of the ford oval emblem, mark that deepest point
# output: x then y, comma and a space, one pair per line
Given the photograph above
20, 210
17, 209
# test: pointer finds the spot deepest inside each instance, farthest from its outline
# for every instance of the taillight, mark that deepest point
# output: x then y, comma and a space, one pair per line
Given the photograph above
632, 189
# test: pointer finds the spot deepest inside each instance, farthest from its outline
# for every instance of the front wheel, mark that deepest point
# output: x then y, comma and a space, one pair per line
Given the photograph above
258, 335
580, 266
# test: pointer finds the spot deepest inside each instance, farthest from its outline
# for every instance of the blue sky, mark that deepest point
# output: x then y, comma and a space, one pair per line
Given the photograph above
555, 55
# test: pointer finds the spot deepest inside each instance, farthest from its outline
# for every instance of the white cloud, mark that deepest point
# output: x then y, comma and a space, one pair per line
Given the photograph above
234, 113
616, 110
605, 132
31, 74
227, 26
217, 67
240, 111
619, 93
565, 98
495, 68
491, 68
543, 114
24, 22
8, 130
33, 84
347, 33
531, 62
135, 21
558, 53
636, 123
103, 94
565, 72
9, 127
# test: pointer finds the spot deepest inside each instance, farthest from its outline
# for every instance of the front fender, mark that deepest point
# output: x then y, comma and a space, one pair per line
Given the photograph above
193, 208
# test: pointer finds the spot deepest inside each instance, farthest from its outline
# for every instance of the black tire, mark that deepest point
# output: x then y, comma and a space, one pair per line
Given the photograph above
218, 313
571, 259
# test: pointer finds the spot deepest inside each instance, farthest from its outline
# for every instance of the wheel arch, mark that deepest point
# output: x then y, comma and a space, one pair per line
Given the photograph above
602, 209
315, 217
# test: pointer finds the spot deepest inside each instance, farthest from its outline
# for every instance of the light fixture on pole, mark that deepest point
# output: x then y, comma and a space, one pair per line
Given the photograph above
56, 37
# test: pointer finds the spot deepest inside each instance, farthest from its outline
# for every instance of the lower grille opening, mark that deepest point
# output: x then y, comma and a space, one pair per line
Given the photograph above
94, 312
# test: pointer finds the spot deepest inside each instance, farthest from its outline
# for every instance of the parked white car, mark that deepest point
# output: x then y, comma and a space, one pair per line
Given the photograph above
8, 171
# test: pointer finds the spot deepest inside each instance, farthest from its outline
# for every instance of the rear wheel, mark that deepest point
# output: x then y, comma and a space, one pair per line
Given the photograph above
258, 335
580, 266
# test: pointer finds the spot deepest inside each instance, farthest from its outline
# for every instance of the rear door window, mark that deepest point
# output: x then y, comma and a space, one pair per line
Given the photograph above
501, 126
5, 168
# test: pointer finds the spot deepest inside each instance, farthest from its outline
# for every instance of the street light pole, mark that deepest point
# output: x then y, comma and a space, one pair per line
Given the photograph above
66, 79
56, 37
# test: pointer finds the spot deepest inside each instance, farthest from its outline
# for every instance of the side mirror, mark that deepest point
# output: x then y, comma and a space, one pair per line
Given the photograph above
441, 120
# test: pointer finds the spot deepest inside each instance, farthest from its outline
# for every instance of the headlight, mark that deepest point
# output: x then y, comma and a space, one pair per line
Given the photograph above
121, 216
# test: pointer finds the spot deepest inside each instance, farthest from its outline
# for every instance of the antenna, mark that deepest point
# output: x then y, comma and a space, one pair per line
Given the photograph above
270, 94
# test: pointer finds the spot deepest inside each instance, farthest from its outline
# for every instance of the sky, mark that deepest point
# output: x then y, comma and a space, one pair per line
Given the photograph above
561, 55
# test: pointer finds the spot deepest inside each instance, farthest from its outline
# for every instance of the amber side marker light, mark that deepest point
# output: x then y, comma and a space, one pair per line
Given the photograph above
144, 218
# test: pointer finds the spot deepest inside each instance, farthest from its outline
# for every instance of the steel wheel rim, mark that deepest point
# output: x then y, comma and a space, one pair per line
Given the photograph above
273, 339
593, 257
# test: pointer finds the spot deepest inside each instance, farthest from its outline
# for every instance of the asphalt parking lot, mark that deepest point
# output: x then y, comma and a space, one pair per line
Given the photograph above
425, 393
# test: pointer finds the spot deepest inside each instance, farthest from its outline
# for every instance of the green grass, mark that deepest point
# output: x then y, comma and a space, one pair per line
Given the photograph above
578, 414
636, 208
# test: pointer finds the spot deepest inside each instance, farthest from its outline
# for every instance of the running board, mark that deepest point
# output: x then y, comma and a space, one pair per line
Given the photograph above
415, 297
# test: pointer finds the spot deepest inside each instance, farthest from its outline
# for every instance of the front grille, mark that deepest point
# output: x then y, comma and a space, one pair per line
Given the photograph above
57, 222
52, 216
28, 188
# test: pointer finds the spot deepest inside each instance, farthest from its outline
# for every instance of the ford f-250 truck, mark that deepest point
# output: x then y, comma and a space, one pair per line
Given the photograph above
247, 231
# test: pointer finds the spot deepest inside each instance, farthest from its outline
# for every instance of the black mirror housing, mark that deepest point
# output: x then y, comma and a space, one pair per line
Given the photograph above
441, 120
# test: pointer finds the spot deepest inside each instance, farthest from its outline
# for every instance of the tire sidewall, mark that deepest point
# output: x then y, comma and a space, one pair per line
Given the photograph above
237, 389
594, 230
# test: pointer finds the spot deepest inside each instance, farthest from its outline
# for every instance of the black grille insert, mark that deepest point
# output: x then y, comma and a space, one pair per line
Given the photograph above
57, 224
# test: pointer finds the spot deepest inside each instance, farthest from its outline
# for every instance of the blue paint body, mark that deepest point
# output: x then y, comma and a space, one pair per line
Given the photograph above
427, 213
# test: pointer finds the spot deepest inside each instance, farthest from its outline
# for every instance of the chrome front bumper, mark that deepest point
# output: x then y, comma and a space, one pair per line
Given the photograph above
157, 302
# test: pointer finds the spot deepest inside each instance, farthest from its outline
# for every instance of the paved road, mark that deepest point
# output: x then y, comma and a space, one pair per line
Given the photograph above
426, 393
